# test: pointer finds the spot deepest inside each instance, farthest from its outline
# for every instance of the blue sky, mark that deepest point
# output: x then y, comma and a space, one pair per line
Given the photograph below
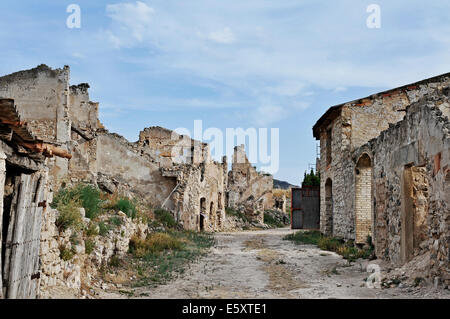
254, 63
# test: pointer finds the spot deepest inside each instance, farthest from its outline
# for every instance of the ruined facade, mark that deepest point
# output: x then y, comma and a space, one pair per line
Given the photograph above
383, 160
198, 196
24, 194
410, 170
162, 167
248, 189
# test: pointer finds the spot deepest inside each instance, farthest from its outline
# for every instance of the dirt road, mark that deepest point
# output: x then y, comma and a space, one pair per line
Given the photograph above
260, 264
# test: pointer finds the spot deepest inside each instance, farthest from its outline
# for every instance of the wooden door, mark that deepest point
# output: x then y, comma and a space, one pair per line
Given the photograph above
21, 262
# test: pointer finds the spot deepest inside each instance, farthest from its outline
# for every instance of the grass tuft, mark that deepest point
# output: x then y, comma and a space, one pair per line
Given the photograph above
127, 206
165, 218
89, 246
69, 217
348, 250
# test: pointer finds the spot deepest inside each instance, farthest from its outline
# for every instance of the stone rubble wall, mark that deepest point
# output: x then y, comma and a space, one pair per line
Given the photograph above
358, 122
420, 141
42, 95
79, 272
248, 189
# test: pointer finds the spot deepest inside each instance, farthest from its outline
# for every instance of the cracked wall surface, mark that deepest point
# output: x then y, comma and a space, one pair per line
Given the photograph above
399, 196
351, 125
248, 189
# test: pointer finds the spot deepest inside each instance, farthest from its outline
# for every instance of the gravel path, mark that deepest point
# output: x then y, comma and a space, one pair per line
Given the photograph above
260, 264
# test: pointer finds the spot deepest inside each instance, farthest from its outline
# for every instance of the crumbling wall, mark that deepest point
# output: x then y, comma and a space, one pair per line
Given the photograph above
170, 148
43, 96
351, 125
249, 190
122, 167
83, 114
411, 164
198, 199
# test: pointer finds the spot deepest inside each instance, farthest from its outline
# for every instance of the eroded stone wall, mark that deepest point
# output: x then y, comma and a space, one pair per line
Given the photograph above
351, 125
249, 190
43, 96
411, 161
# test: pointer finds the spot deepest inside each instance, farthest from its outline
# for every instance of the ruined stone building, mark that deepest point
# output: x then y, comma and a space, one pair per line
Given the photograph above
163, 168
384, 167
198, 198
51, 136
24, 196
248, 189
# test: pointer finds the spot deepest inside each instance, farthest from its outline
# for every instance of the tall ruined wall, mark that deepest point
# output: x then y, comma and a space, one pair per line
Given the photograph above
42, 95
247, 188
411, 167
198, 201
336, 211
170, 148
372, 115
84, 124
120, 163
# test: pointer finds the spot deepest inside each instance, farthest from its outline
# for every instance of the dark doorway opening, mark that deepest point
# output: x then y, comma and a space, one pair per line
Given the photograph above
202, 213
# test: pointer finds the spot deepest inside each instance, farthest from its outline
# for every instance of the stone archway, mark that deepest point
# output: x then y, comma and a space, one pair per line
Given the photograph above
363, 200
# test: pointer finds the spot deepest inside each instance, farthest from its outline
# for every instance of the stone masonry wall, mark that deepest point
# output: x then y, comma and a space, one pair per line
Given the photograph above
355, 124
248, 189
43, 97
421, 144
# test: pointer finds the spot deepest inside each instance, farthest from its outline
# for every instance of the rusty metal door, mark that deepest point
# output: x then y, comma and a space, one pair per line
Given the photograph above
21, 256
305, 208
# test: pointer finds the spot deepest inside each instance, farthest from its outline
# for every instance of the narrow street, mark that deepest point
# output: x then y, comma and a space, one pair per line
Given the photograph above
260, 264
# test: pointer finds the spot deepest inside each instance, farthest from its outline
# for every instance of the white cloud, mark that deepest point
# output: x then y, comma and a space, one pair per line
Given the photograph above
286, 49
224, 36
268, 114
132, 19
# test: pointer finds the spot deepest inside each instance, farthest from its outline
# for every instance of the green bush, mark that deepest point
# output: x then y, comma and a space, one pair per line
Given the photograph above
69, 217
86, 196
304, 237
117, 221
65, 253
90, 198
91, 230
165, 218
103, 229
115, 261
271, 221
348, 250
127, 206
330, 243
89, 246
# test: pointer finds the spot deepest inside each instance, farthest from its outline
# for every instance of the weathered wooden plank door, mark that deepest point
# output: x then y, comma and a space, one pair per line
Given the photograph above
21, 268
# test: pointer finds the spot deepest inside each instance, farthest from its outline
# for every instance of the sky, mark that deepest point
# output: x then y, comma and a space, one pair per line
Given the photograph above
249, 64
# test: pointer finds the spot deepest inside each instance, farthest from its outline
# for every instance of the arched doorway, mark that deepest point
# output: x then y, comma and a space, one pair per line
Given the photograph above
328, 218
363, 200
